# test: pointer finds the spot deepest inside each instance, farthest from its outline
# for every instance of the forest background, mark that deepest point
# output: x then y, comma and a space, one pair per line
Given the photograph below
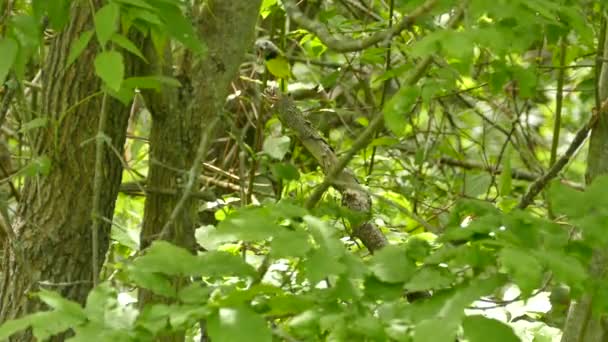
345, 170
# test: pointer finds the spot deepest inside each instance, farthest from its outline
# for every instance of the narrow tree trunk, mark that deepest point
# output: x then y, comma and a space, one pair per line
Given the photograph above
581, 324
53, 222
180, 117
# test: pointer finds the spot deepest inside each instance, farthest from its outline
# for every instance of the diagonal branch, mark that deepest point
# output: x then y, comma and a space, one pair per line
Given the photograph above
352, 196
344, 44
539, 184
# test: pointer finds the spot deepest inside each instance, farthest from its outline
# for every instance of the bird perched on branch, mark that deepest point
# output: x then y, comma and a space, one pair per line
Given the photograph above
275, 61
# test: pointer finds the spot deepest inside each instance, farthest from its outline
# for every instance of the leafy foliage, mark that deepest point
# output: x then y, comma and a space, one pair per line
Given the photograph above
464, 137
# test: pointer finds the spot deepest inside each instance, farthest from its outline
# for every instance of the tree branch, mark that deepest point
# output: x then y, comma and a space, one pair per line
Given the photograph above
538, 185
344, 44
352, 197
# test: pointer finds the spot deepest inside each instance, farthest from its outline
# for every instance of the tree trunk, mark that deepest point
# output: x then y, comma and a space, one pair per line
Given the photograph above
53, 221
581, 324
181, 116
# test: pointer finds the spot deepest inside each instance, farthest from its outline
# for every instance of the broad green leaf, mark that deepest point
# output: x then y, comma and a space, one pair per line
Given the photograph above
289, 243
136, 3
40, 165
288, 304
478, 328
247, 224
150, 82
78, 46
238, 324
565, 268
567, 201
154, 318
106, 22
60, 304
525, 270
430, 278
218, 263
110, 68
477, 184
35, 123
398, 108
436, 329
180, 28
325, 236
59, 12
126, 44
97, 301
319, 264
266, 7
392, 265
505, 176
9, 49
10, 327
154, 282
285, 171
44, 324
164, 257
276, 147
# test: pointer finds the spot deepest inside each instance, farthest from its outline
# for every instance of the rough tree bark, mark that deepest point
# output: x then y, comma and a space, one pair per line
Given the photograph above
53, 221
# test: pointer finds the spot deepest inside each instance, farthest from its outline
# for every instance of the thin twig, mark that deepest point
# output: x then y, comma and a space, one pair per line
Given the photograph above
559, 98
193, 173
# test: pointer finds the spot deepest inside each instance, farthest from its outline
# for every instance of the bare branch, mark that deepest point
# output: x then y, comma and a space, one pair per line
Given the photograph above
343, 44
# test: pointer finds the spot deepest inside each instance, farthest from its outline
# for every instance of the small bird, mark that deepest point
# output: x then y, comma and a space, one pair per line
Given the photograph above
275, 60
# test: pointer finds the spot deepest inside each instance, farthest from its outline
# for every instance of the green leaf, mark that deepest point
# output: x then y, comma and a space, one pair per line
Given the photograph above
478, 328
10, 327
44, 324
289, 243
35, 123
154, 282
505, 181
60, 304
430, 278
40, 165
279, 67
110, 68
97, 301
398, 108
126, 44
266, 8
164, 257
565, 268
106, 22
436, 329
392, 265
320, 264
9, 49
477, 184
180, 28
285, 171
59, 13
218, 263
247, 224
150, 82
276, 147
78, 46
238, 324
136, 3
527, 273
